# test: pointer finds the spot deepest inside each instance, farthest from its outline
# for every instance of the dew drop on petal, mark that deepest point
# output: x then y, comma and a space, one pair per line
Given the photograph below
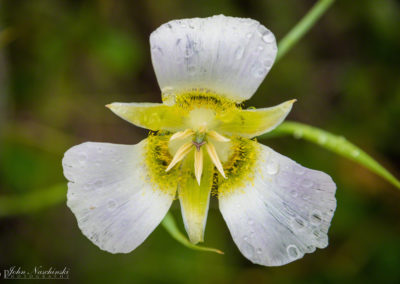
259, 71
298, 223
249, 249
307, 183
298, 170
87, 187
316, 217
239, 52
191, 70
267, 63
272, 167
293, 251
310, 249
111, 204
259, 251
98, 183
82, 157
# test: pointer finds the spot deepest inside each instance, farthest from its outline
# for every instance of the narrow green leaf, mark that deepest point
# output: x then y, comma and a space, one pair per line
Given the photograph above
170, 225
30, 202
302, 27
335, 143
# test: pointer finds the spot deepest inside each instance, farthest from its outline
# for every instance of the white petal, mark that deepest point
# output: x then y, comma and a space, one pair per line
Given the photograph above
284, 214
230, 56
115, 206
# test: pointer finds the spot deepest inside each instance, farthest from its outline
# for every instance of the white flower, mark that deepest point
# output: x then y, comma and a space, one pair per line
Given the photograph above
276, 210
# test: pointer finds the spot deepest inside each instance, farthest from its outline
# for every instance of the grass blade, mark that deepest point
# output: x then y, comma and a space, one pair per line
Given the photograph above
335, 143
170, 225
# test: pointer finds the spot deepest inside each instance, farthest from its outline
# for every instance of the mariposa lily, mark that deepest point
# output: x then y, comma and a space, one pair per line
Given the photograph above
201, 142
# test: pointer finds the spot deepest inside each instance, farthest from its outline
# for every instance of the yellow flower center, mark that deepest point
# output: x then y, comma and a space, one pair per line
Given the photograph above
198, 139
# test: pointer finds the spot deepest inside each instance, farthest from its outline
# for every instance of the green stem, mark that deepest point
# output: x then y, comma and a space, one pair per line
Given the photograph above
302, 27
335, 143
170, 225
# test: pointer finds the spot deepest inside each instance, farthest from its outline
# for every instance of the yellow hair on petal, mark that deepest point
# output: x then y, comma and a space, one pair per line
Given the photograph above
240, 168
157, 159
204, 98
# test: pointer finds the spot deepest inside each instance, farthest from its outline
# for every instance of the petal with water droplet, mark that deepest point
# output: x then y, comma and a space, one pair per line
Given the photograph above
285, 225
230, 56
115, 205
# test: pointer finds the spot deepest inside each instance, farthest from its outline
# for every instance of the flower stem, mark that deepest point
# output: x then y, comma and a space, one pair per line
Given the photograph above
302, 27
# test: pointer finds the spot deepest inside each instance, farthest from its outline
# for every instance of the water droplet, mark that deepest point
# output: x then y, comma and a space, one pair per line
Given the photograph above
259, 71
317, 233
355, 153
307, 183
267, 63
111, 204
245, 238
284, 180
189, 51
87, 187
316, 217
305, 197
98, 183
249, 250
298, 134
259, 251
298, 170
266, 35
322, 139
156, 50
298, 223
294, 193
239, 52
289, 210
310, 249
272, 167
125, 223
82, 157
191, 70
293, 251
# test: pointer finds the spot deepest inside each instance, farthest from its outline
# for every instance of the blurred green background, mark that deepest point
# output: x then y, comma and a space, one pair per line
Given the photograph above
62, 61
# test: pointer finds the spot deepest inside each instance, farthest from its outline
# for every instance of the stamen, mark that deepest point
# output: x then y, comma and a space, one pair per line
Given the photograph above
198, 164
214, 158
180, 154
182, 134
215, 135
